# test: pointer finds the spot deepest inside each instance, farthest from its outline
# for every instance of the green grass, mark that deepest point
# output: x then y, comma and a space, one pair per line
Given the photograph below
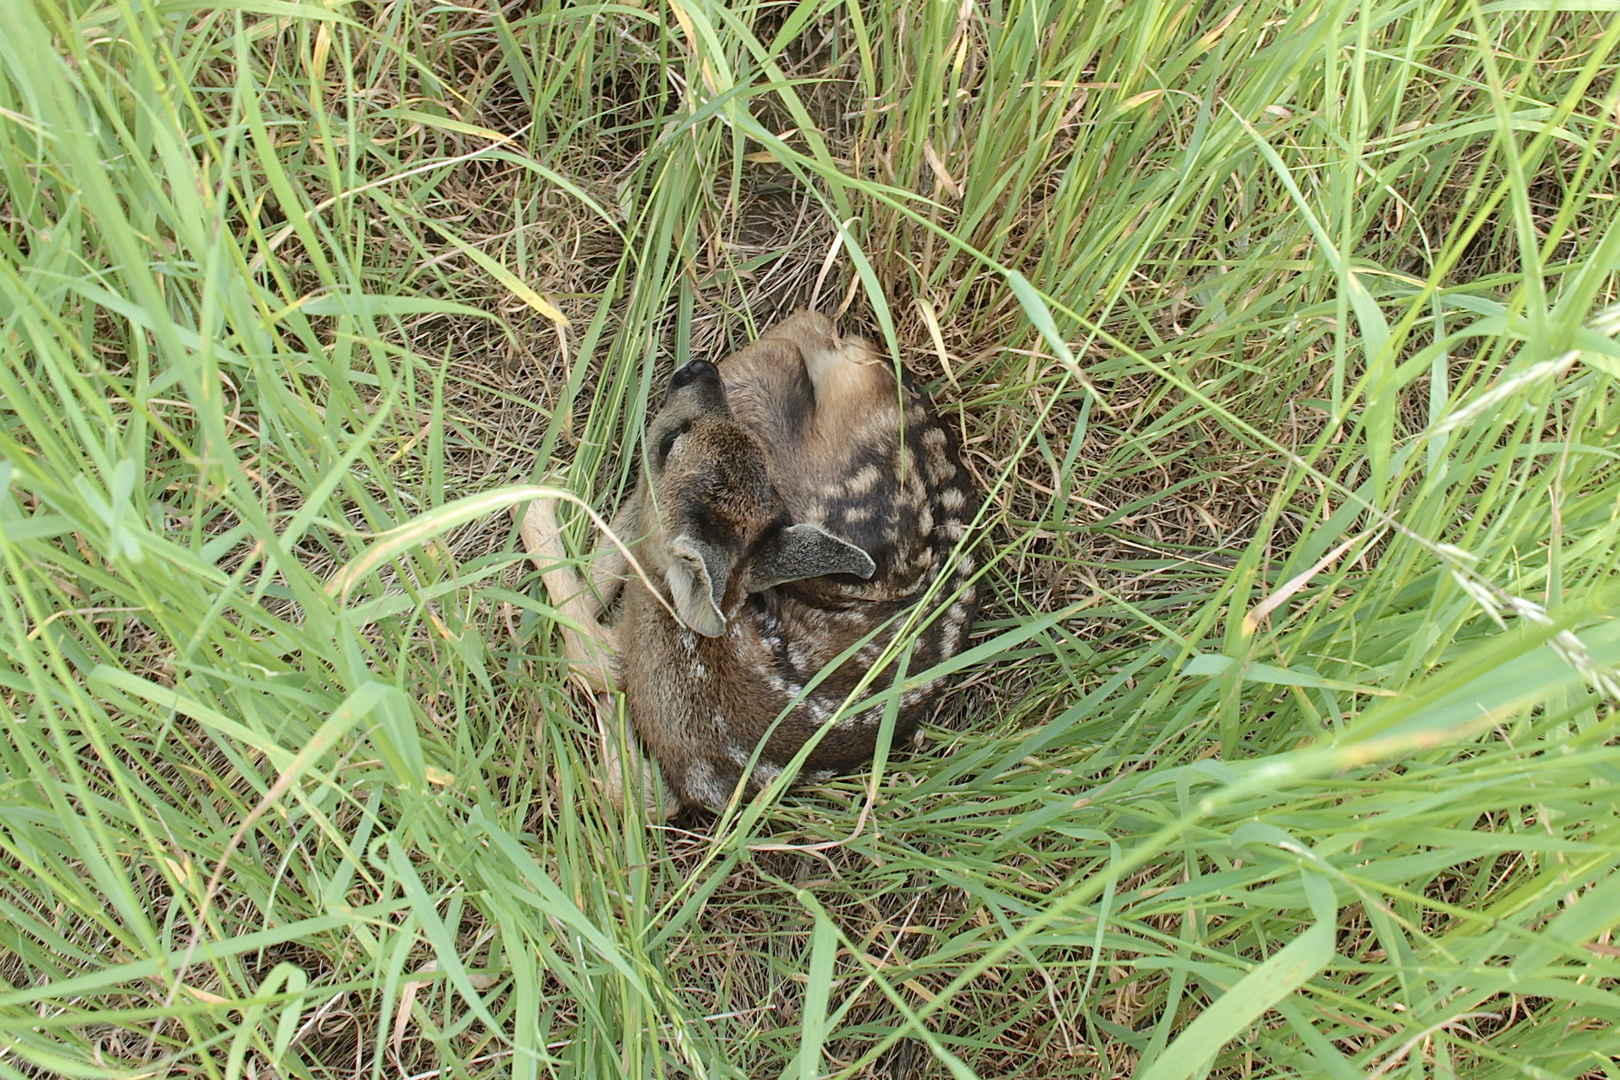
1282, 338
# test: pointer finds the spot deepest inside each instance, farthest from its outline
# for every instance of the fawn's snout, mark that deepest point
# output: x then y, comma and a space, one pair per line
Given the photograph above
703, 376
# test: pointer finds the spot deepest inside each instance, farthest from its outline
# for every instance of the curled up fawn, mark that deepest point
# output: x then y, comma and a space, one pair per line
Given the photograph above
794, 504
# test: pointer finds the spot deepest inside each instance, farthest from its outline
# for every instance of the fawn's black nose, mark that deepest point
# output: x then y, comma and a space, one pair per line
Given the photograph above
693, 371
699, 382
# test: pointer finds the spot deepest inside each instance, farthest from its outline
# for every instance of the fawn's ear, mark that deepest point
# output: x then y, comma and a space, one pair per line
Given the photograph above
697, 580
805, 551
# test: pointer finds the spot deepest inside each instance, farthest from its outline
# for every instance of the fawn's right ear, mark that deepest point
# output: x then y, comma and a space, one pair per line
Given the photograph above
804, 551
696, 578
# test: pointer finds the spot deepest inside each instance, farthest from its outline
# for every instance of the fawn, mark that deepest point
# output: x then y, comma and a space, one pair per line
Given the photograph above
794, 500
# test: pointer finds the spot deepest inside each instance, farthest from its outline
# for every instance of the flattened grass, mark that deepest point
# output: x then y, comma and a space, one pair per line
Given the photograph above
1282, 339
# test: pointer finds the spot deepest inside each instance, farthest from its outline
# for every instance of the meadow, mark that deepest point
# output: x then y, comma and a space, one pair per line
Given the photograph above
1281, 338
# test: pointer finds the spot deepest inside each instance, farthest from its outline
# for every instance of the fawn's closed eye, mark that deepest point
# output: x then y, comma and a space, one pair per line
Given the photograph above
667, 443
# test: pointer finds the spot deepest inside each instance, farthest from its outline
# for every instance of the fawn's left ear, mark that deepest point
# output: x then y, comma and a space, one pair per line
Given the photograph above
797, 552
697, 580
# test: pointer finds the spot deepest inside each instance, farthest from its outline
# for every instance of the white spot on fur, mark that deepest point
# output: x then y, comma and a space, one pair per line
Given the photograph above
865, 480
867, 719
785, 687
702, 782
952, 499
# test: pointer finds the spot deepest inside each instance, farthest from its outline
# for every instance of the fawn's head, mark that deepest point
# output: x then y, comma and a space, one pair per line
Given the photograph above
721, 530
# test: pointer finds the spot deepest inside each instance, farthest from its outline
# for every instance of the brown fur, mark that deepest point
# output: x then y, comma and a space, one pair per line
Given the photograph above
812, 500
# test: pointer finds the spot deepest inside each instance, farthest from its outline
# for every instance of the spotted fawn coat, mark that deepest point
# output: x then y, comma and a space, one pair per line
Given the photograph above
795, 504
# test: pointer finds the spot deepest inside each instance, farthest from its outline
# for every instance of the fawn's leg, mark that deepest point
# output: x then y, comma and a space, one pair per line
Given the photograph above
609, 566
591, 648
